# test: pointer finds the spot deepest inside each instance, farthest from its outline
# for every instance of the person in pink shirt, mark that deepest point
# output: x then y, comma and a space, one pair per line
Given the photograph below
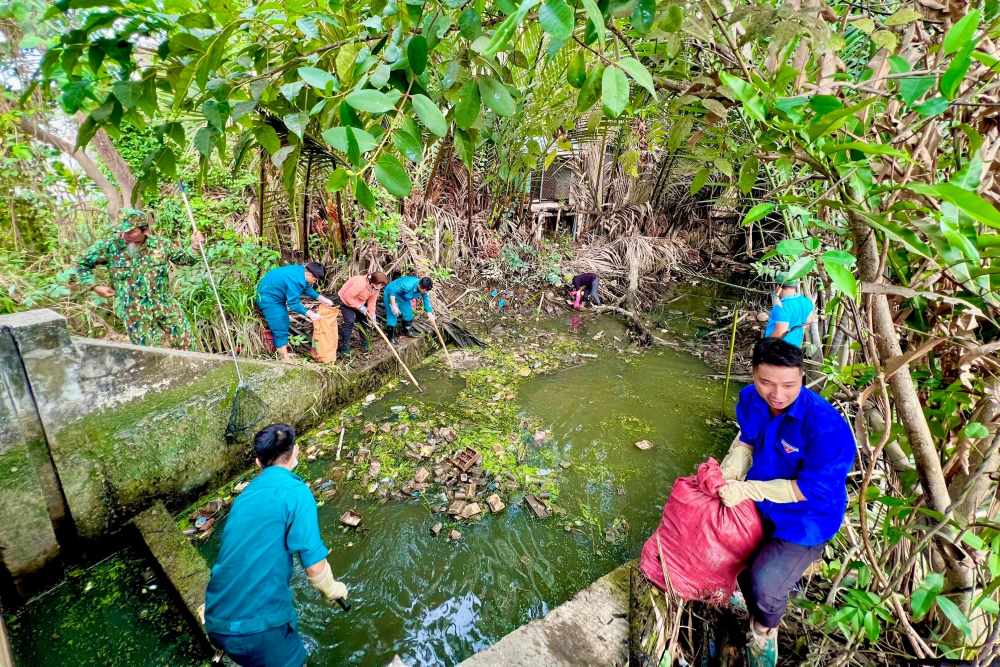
357, 300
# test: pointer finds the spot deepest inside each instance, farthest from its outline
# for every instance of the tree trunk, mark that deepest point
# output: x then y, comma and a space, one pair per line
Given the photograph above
90, 168
119, 168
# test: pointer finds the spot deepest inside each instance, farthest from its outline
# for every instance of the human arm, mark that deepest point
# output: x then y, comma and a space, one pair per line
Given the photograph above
738, 460
427, 305
370, 304
775, 490
393, 306
779, 331
303, 539
779, 321
95, 255
325, 301
321, 578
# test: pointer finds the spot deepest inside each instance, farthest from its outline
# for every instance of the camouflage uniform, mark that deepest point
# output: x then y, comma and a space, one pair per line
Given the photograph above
140, 276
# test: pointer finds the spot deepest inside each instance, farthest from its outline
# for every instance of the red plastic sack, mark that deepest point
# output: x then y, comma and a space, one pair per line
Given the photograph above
705, 544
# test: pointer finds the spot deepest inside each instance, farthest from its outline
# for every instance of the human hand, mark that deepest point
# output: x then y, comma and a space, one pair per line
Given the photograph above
363, 308
104, 290
312, 315
734, 492
338, 592
395, 310
325, 301
197, 239
430, 316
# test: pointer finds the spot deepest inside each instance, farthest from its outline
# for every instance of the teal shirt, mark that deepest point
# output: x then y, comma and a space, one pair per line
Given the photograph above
285, 286
272, 520
406, 288
794, 310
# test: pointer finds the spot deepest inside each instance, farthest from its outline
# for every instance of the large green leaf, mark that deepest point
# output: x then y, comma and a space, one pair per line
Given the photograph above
216, 113
912, 88
831, 122
337, 180
371, 101
468, 107
639, 73
954, 614
364, 194
337, 137
614, 91
469, 24
757, 212
408, 144
803, 266
643, 14
416, 54
596, 18
969, 203
842, 277
748, 173
955, 74
496, 96
268, 138
556, 18
924, 595
318, 78
960, 35
391, 174
296, 123
430, 115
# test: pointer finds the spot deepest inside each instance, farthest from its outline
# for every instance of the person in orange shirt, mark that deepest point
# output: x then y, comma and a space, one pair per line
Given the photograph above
357, 300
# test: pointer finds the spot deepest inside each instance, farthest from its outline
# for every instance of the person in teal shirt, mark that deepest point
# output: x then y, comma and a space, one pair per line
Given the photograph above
248, 603
398, 297
790, 314
280, 291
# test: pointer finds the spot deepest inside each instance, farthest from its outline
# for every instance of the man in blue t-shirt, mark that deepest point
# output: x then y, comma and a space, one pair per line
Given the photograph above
248, 604
795, 451
790, 314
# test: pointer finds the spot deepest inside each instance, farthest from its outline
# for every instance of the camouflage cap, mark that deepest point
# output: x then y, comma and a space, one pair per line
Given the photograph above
781, 278
130, 219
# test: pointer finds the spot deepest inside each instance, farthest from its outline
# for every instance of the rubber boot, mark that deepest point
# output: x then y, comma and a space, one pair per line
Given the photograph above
762, 648
408, 330
366, 343
344, 352
390, 332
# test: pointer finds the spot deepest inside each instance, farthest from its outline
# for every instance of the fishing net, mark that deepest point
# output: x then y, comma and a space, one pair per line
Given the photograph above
245, 415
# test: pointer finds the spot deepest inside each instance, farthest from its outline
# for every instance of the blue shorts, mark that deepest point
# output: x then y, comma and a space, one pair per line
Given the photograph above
276, 647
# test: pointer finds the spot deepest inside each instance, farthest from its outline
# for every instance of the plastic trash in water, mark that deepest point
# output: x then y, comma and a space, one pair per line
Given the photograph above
493, 293
501, 304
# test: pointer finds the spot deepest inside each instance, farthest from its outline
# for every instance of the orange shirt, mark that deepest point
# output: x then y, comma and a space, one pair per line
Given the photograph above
357, 291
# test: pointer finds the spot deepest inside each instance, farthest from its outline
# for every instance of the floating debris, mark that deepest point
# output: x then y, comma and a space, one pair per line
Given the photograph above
436, 529
470, 510
465, 459
644, 445
495, 504
454, 535
351, 519
421, 475
540, 509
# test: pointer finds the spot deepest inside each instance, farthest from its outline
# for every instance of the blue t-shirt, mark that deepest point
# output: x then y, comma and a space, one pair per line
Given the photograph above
285, 285
274, 518
406, 288
809, 442
795, 311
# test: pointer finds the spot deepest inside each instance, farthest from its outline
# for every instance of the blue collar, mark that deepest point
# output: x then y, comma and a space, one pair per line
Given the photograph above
796, 410
275, 470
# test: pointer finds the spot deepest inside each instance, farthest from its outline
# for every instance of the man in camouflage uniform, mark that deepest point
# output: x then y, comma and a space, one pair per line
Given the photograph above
139, 269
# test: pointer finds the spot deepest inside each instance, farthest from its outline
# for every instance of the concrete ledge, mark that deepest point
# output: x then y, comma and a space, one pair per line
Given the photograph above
590, 630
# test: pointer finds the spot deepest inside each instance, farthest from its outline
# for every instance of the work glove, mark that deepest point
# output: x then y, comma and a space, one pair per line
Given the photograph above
737, 461
363, 308
325, 301
312, 315
775, 490
430, 316
331, 589
395, 309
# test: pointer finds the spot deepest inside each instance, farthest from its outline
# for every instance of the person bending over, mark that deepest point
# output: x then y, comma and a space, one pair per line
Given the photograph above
795, 451
398, 297
357, 300
281, 291
584, 284
248, 603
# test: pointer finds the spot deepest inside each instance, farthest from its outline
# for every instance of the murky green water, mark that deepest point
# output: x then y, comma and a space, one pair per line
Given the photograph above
116, 612
427, 599
436, 602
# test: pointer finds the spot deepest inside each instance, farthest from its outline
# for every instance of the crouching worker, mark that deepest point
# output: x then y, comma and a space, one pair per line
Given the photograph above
398, 296
357, 300
248, 604
584, 285
281, 291
795, 452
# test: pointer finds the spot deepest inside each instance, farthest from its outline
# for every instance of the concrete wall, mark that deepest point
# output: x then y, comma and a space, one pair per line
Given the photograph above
126, 426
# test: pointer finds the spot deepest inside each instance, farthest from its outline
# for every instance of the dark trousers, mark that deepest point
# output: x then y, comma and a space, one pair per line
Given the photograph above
352, 316
774, 570
592, 295
276, 647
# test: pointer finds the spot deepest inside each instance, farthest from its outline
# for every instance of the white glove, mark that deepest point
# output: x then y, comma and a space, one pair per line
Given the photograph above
331, 589
775, 490
737, 461
325, 301
395, 309
312, 315
363, 308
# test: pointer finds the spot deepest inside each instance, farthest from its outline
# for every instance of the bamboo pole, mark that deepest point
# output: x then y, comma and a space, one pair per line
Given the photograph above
392, 348
444, 346
729, 365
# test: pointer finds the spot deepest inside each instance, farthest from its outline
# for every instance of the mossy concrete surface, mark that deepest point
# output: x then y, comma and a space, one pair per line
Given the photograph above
30, 502
590, 630
183, 566
127, 426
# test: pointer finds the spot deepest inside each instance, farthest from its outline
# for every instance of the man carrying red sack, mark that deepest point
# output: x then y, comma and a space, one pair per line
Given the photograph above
795, 451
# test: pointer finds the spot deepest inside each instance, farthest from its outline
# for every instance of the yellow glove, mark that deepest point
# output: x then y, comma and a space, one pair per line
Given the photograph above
775, 490
324, 582
737, 461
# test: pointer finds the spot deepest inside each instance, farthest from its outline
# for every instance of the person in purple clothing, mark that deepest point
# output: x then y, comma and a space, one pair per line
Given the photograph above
584, 284
791, 457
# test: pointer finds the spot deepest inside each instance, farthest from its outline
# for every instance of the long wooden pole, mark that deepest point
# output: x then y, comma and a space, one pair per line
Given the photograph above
392, 348
443, 345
